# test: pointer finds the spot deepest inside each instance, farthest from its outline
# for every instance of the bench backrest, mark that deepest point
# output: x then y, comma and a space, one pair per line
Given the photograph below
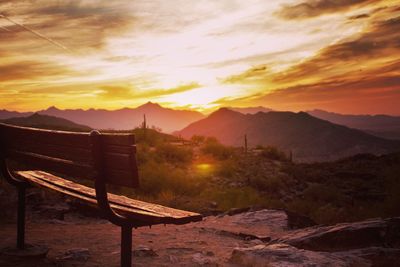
72, 153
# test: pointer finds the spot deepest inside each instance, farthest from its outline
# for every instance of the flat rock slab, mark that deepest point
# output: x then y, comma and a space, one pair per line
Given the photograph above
283, 255
30, 251
346, 236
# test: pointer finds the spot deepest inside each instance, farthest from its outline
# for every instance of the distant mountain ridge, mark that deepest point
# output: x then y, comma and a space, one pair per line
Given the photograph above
309, 138
379, 125
128, 118
6, 114
47, 122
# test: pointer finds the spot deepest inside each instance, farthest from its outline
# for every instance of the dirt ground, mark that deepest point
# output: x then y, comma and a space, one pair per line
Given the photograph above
206, 243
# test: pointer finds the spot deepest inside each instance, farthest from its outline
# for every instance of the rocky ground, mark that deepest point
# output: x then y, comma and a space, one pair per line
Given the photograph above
240, 238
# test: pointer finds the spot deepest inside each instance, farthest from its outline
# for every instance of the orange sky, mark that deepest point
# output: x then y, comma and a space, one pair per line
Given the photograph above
337, 55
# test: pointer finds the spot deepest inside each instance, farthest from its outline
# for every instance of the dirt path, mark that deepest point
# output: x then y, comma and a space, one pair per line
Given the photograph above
206, 243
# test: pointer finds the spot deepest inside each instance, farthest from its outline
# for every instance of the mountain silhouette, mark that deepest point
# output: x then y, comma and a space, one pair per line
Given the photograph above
380, 125
167, 119
47, 122
307, 137
5, 114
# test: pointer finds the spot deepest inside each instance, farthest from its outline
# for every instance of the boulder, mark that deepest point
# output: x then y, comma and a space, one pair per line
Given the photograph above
346, 236
279, 255
144, 251
76, 254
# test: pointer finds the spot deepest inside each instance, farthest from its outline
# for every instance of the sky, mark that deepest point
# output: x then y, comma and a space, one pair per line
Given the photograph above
337, 55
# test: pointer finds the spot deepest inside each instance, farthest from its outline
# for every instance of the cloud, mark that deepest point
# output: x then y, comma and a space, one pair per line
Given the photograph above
380, 41
314, 8
31, 70
123, 92
78, 25
359, 16
366, 95
114, 92
38, 34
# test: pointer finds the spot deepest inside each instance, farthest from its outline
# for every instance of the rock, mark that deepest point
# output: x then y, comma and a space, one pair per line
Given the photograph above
144, 251
76, 254
237, 211
201, 259
346, 236
53, 211
272, 218
279, 255
243, 236
297, 221
376, 255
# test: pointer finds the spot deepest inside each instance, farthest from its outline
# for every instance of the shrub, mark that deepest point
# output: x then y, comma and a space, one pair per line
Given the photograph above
270, 184
227, 168
156, 177
216, 149
273, 153
174, 154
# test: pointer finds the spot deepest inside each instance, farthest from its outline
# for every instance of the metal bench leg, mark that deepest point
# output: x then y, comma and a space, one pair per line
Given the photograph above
126, 246
21, 218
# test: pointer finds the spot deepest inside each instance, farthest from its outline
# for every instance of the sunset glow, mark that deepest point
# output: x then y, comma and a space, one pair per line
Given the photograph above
342, 56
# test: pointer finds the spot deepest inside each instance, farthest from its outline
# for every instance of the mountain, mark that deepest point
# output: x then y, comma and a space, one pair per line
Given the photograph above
47, 122
309, 138
379, 125
5, 114
167, 119
250, 110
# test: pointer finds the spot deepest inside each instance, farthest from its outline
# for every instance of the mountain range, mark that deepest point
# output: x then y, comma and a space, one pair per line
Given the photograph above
380, 125
307, 137
128, 118
6, 114
47, 122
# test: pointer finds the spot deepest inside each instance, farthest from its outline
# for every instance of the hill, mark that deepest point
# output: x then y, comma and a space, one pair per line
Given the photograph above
47, 122
379, 125
167, 119
307, 137
6, 114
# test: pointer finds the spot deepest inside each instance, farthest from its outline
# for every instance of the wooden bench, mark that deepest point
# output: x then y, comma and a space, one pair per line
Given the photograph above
49, 157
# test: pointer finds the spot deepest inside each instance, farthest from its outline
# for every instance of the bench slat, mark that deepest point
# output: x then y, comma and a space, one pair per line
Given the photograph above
71, 153
13, 134
61, 166
55, 151
118, 139
145, 213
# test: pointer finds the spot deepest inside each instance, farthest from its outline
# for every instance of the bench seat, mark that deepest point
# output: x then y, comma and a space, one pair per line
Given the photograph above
140, 212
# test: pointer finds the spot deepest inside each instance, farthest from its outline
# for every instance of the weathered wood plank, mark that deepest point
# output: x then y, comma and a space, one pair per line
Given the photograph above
54, 151
129, 149
137, 210
118, 139
15, 134
40, 162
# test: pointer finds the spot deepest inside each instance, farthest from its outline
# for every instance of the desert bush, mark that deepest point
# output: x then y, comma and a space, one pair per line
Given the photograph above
217, 150
270, 184
174, 154
273, 153
198, 139
323, 193
156, 177
228, 198
227, 168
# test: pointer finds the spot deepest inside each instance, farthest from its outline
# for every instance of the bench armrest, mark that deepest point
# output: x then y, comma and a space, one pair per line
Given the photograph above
100, 182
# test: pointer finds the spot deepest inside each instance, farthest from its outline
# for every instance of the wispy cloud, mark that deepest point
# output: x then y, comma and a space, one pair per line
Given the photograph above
38, 34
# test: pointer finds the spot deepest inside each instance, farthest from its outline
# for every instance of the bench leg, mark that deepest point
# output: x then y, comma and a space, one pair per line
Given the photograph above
21, 218
126, 246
